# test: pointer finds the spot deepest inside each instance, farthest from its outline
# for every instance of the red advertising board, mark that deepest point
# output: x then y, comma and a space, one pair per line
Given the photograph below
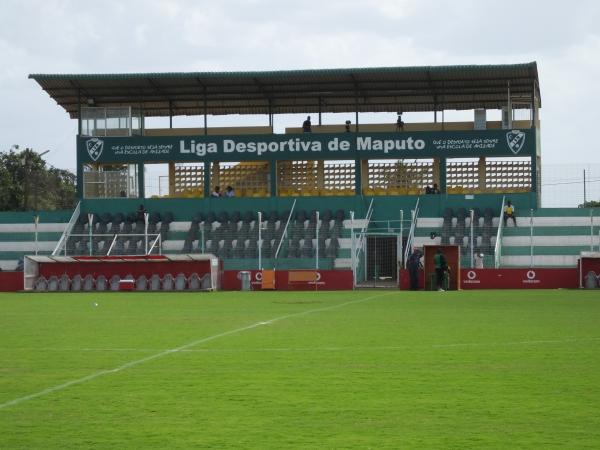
329, 280
11, 281
519, 278
553, 278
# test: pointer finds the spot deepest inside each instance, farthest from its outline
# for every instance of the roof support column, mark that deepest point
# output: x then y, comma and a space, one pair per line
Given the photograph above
443, 169
79, 125
356, 111
79, 186
141, 181
142, 124
206, 179
205, 109
320, 102
533, 106
509, 106
273, 178
361, 175
170, 114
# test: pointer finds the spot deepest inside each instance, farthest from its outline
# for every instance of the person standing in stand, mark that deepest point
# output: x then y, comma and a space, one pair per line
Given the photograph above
306, 126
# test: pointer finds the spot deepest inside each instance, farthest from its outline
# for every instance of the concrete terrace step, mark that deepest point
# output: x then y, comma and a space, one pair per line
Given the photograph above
27, 246
30, 227
551, 230
551, 241
427, 231
26, 237
545, 250
565, 212
342, 263
545, 221
539, 261
16, 255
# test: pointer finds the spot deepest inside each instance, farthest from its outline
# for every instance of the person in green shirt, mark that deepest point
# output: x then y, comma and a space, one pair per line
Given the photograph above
441, 267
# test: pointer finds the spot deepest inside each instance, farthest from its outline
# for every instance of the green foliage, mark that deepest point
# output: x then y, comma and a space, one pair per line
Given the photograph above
27, 183
310, 370
590, 204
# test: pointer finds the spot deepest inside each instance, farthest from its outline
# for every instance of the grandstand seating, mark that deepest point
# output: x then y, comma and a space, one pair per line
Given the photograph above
17, 236
559, 235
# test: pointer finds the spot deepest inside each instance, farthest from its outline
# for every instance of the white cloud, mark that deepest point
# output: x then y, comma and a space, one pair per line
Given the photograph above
65, 36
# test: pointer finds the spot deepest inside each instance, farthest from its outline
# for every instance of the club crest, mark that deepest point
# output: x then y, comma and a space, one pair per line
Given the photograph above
94, 147
515, 140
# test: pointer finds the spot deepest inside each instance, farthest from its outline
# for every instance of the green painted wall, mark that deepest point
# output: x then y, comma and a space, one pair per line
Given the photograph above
59, 216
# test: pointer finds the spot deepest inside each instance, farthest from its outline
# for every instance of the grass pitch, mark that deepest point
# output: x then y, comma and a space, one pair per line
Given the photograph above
363, 369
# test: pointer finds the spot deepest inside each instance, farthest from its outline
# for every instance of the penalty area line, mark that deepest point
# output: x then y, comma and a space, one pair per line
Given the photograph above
181, 348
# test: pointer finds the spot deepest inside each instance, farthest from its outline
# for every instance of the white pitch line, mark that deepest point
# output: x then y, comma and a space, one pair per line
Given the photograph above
305, 349
136, 362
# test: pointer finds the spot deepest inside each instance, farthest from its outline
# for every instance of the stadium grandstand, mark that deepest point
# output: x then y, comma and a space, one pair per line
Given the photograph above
347, 200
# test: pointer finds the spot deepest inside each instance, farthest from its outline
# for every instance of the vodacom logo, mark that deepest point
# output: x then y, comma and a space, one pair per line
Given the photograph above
531, 279
471, 278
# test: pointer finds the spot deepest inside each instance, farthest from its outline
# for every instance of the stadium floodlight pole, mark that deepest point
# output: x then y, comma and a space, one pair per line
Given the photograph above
401, 254
36, 220
531, 237
584, 193
146, 217
352, 248
472, 214
591, 230
259, 240
317, 236
90, 222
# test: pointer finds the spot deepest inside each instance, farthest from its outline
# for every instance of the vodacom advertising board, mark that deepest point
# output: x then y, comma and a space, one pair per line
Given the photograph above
519, 278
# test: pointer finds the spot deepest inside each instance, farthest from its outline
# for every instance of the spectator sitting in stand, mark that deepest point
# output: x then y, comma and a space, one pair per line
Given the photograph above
399, 123
509, 213
348, 126
216, 192
229, 192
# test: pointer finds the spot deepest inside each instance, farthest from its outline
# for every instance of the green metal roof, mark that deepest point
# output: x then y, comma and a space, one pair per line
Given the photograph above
424, 88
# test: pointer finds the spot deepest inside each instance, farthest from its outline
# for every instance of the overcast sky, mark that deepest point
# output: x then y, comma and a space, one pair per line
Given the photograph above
62, 36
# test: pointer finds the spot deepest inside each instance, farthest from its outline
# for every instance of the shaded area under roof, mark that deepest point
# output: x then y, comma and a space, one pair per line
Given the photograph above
383, 89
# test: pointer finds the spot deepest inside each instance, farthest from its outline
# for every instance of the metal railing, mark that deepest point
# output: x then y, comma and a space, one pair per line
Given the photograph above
151, 242
63, 238
498, 245
411, 233
285, 230
361, 233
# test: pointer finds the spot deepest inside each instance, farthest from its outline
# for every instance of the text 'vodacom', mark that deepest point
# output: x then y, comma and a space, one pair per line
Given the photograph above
300, 145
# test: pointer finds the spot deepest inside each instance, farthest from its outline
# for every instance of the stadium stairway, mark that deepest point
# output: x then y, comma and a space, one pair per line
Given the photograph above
559, 235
